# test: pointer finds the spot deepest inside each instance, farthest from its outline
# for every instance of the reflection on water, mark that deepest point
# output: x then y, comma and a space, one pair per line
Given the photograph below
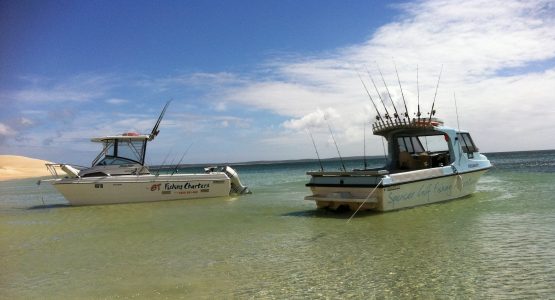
496, 243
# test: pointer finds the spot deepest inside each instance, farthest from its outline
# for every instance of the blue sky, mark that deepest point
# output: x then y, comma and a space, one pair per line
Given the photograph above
247, 77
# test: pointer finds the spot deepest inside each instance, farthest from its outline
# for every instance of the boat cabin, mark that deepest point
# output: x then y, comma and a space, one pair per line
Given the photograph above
424, 144
121, 155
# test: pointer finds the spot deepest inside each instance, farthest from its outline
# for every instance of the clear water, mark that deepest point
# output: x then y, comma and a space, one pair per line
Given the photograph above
498, 243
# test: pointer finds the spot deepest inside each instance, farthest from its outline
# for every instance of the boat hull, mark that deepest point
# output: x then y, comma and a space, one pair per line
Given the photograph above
398, 195
144, 188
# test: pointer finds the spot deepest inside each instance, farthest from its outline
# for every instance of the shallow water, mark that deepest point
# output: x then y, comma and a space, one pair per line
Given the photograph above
498, 242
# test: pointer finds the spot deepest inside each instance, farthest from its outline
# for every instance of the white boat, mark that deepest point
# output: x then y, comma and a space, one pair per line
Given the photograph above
427, 163
119, 175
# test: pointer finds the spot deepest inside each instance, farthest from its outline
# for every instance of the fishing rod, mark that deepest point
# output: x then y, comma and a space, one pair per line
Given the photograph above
364, 151
402, 94
155, 130
432, 112
182, 156
336, 147
396, 115
164, 161
315, 149
379, 116
378, 92
418, 93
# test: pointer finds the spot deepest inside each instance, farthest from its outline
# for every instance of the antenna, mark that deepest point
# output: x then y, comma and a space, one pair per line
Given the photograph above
155, 130
378, 92
315, 149
418, 93
457, 112
458, 126
379, 116
396, 115
402, 94
336, 147
433, 112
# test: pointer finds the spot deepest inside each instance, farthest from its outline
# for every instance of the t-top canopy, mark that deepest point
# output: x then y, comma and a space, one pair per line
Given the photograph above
131, 136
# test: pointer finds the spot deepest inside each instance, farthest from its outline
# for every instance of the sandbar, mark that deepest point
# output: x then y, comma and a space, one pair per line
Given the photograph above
20, 167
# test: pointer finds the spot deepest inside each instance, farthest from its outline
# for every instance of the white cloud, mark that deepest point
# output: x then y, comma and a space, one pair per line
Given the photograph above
317, 118
79, 88
116, 101
477, 42
498, 56
5, 130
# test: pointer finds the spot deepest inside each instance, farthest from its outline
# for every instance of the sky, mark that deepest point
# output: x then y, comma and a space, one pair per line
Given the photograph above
248, 78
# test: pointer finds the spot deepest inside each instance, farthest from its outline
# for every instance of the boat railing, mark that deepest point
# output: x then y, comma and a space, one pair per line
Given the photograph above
56, 168
52, 168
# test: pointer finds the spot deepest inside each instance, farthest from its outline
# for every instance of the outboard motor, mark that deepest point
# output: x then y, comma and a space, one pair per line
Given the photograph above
236, 186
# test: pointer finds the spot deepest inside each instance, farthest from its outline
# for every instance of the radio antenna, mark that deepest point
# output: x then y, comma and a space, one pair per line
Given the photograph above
315, 149
396, 115
402, 94
433, 112
459, 135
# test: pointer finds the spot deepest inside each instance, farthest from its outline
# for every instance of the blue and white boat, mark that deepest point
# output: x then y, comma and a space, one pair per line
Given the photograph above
427, 163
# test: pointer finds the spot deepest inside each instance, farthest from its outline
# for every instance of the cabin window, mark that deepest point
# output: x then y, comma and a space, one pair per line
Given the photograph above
132, 150
435, 143
467, 144
109, 149
422, 152
410, 144
110, 160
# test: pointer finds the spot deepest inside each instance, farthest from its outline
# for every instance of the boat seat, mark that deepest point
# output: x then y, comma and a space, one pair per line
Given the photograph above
408, 161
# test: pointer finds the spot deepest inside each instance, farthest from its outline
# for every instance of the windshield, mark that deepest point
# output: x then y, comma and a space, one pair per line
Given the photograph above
118, 152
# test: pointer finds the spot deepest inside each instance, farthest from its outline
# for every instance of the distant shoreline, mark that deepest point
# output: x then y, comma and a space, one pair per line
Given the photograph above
310, 160
14, 167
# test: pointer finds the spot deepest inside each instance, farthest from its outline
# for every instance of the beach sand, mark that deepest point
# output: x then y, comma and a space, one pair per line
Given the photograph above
19, 167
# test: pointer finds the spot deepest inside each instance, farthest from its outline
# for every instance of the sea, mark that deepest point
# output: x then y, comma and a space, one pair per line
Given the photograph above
497, 243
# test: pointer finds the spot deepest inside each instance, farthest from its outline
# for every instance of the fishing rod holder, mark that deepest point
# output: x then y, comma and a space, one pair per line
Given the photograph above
383, 127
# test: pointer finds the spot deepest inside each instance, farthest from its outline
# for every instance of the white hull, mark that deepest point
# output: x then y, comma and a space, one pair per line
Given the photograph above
399, 195
142, 188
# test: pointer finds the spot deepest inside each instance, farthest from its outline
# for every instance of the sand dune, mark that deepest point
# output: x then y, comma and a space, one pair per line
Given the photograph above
19, 167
